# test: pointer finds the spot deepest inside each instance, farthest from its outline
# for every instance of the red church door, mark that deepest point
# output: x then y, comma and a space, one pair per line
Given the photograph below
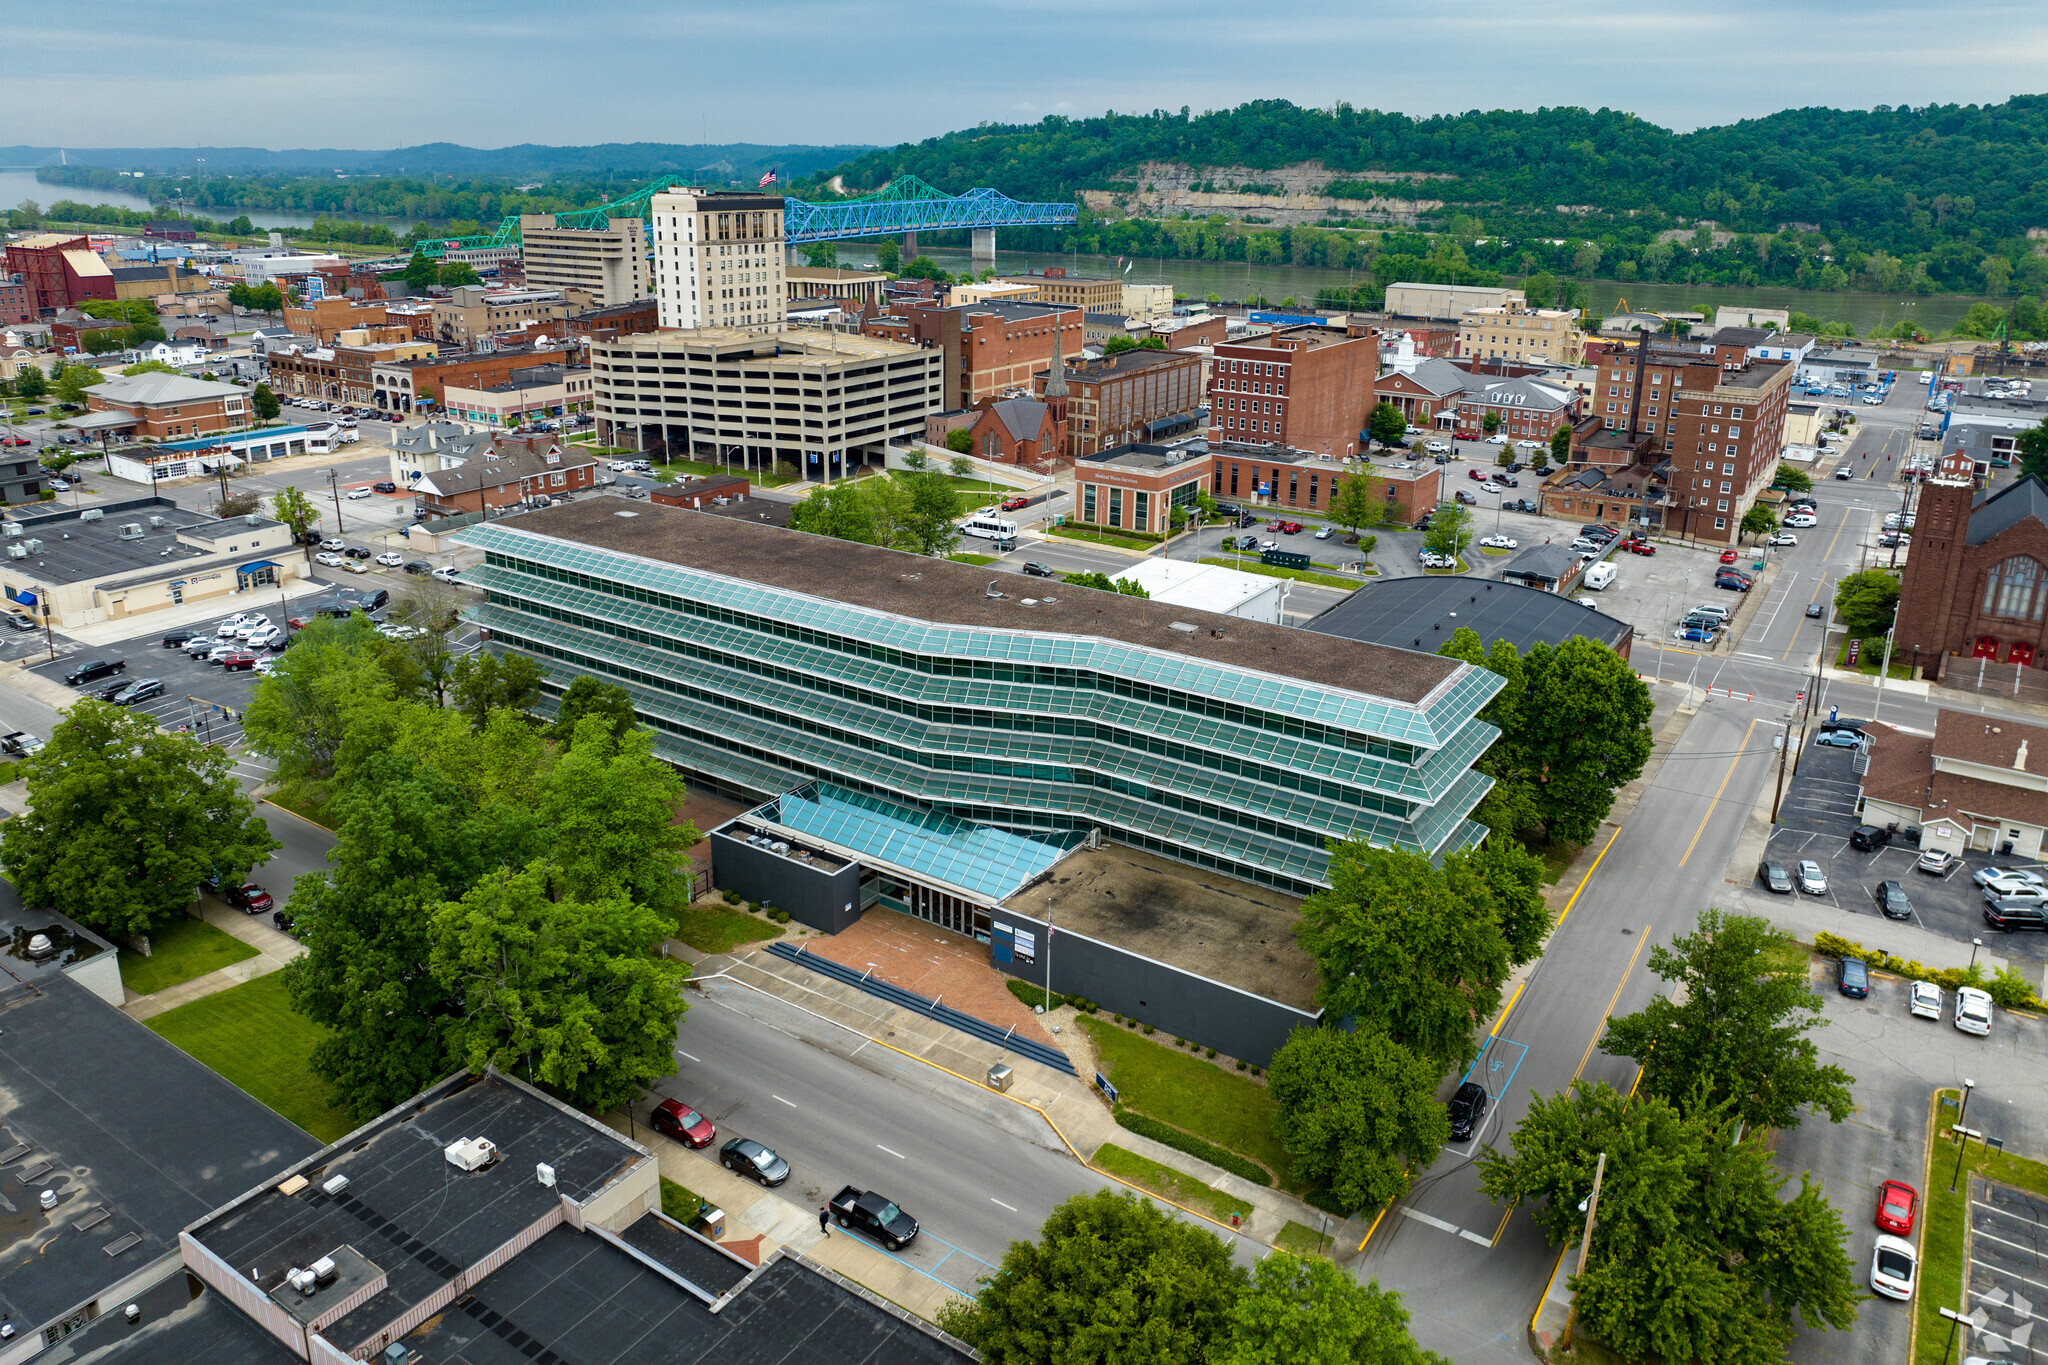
2020, 653
1987, 648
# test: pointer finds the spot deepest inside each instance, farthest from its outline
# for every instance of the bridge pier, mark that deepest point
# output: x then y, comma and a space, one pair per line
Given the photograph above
909, 247
984, 245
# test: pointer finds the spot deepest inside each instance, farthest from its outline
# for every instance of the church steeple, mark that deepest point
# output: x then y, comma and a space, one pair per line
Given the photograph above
1056, 379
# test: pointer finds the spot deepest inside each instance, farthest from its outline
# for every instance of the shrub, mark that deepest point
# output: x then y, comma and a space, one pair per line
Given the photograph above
1948, 978
1212, 1054
1328, 1202
779, 916
1255, 1071
1180, 1042
1148, 1030
1186, 1142
2009, 990
1119, 1019
729, 897
1240, 1066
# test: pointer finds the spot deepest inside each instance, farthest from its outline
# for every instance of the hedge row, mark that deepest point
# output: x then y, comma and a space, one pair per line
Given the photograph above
1194, 1146
2009, 990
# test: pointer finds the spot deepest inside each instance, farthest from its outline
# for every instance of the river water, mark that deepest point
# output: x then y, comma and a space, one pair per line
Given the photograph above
16, 186
1234, 280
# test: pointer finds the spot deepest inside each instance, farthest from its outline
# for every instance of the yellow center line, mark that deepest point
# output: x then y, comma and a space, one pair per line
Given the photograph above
1820, 585
1718, 792
1627, 972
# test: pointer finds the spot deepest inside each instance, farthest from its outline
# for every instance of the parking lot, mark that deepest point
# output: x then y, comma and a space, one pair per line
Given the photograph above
2007, 1280
1816, 816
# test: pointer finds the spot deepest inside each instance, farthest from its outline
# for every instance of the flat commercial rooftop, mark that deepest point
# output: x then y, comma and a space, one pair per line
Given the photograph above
574, 1299
941, 591
74, 551
136, 1138
1202, 922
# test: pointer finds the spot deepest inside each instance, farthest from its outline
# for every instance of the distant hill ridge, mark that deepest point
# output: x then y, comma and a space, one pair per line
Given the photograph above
448, 158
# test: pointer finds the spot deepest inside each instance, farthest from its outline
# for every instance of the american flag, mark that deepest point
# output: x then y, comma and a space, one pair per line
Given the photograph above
766, 181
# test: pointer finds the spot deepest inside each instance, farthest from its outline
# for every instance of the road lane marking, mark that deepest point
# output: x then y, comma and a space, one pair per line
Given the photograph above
681, 1053
1641, 939
791, 1103
993, 1200
1442, 1226
891, 1151
1741, 753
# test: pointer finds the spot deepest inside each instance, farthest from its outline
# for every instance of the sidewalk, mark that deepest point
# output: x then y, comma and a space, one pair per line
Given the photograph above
103, 633
273, 948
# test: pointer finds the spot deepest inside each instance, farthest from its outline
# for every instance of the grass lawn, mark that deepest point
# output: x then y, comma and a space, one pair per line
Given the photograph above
1871, 658
179, 951
703, 469
1175, 1087
1494, 551
1556, 859
972, 559
680, 1202
306, 802
249, 1034
1327, 580
714, 928
1122, 542
1299, 1240
1463, 567
1941, 1233
1168, 1183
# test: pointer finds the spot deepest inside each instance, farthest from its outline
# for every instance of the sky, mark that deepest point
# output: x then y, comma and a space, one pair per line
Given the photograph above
378, 73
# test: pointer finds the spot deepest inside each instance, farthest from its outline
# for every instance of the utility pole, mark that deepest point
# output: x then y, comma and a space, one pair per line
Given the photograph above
1592, 1210
1784, 743
335, 488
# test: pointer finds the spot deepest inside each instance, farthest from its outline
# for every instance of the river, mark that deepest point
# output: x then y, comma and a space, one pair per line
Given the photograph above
1234, 280
16, 186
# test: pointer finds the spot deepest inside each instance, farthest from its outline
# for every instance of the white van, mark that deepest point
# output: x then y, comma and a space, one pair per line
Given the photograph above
989, 528
1600, 575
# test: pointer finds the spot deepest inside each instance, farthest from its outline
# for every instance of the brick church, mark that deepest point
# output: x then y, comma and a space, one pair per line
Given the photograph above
1976, 584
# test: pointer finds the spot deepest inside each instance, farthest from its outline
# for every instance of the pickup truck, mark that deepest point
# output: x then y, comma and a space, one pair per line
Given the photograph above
874, 1215
94, 670
20, 743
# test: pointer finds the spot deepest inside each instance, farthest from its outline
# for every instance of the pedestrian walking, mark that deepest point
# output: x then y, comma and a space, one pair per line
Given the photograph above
825, 1219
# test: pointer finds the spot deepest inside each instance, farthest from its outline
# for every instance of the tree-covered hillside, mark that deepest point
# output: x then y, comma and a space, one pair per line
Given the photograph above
1942, 195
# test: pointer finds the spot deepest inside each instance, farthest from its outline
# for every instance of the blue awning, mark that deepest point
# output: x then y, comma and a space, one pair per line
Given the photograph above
254, 565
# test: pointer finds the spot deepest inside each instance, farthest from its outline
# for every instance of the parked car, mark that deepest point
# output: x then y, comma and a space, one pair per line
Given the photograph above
1698, 635
1800, 521
1034, 569
384, 486
333, 544
1869, 838
1012, 504
1469, 499
1774, 877
329, 559
419, 567
1893, 1265
878, 1217
1897, 1203
1781, 538
1324, 533
263, 636
1812, 880
106, 692
1467, 1108
1728, 556
1639, 547
1923, 1000
1852, 978
241, 660
178, 639
358, 494
93, 670
1732, 583
1496, 440
1528, 445
1891, 900
684, 1124
1973, 1011
1476, 475
2007, 876
142, 689
448, 573
750, 1159
357, 552
391, 559
247, 897
1499, 542
1936, 862
20, 743
1839, 739
1437, 448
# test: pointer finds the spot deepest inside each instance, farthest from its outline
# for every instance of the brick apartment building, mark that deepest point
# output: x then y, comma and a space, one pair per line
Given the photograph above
1140, 395
400, 386
69, 334
60, 271
1310, 388
1279, 476
337, 374
990, 347
1055, 285
17, 303
475, 311
1976, 584
1430, 388
1522, 409
325, 319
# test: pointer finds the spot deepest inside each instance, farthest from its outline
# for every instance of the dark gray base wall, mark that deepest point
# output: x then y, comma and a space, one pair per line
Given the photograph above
1177, 1003
822, 900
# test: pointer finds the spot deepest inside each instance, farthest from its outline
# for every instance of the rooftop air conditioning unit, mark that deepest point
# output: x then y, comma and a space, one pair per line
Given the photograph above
12, 528
335, 1184
89, 514
781, 846
132, 531
323, 1270
545, 1174
156, 522
251, 519
17, 552
32, 545
300, 1279
471, 1154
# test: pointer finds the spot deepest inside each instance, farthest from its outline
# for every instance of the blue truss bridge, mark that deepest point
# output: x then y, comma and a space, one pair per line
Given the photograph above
906, 205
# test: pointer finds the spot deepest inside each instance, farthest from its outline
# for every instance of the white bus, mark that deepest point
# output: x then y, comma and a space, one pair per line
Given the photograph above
989, 528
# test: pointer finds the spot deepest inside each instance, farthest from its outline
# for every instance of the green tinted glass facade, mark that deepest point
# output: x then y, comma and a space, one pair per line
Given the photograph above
766, 689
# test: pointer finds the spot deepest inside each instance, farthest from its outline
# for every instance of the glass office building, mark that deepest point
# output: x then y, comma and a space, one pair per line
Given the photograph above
766, 660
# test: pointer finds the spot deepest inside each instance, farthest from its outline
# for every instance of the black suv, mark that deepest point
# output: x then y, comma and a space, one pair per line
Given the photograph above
1034, 569
1467, 1107
2011, 917
178, 639
98, 668
1869, 838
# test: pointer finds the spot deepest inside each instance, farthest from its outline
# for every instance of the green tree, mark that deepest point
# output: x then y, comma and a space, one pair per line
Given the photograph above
821, 256
925, 268
421, 272
1759, 520
842, 510
1491, 421
1358, 1111
329, 687
1353, 506
2032, 445
1561, 445
484, 682
587, 696
1306, 1311
960, 439
1110, 1278
1792, 479
1695, 1256
72, 380
264, 403
30, 383
1102, 582
927, 524
571, 993
125, 819
1450, 531
456, 274
1398, 949
1730, 1034
151, 367
611, 806
1867, 601
1504, 881
1540, 289
294, 508
1387, 426
960, 467
107, 340
888, 255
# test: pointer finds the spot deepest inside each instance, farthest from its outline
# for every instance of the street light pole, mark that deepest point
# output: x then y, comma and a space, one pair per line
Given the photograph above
335, 488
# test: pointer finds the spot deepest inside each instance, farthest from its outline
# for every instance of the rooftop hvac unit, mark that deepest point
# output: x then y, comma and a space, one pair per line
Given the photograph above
156, 522
251, 519
323, 1270
132, 531
471, 1154
32, 545
781, 846
17, 552
545, 1174
89, 514
12, 528
336, 1184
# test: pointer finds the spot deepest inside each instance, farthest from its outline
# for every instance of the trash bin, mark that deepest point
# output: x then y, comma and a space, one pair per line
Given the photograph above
711, 1223
999, 1077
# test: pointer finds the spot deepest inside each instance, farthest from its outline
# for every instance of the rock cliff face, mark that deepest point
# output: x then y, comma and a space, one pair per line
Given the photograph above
1287, 196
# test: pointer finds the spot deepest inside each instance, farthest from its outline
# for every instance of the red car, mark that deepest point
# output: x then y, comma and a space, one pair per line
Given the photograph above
1290, 528
681, 1122
249, 898
1728, 556
1896, 1205
1012, 504
15, 441
1475, 475
242, 662
1639, 547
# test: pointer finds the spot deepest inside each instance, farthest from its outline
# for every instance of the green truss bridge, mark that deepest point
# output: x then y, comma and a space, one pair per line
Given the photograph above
907, 206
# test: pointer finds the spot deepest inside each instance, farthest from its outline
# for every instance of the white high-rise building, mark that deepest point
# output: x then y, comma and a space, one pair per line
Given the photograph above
718, 259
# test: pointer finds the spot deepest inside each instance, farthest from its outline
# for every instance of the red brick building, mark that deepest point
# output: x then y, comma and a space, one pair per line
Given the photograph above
1020, 431
990, 347
514, 476
1424, 392
1310, 388
60, 271
1522, 409
17, 303
1976, 584
163, 407
703, 492
1138, 395
1275, 477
